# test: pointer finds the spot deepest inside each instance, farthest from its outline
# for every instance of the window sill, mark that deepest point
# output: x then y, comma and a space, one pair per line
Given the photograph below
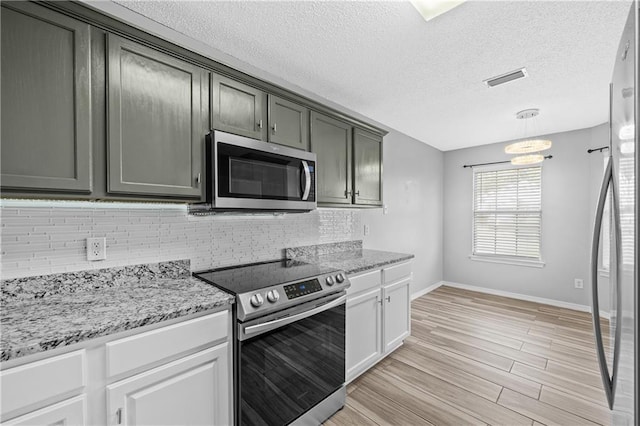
508, 261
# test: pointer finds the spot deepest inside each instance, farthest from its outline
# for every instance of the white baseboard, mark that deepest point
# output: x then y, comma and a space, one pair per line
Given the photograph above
552, 302
426, 290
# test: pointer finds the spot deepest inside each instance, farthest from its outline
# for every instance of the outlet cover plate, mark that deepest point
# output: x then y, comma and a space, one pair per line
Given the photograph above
96, 248
578, 283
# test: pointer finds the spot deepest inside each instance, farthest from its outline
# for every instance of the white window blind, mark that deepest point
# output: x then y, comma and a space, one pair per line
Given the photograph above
507, 212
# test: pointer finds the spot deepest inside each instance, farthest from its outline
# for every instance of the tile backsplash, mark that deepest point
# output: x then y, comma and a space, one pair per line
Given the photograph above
40, 238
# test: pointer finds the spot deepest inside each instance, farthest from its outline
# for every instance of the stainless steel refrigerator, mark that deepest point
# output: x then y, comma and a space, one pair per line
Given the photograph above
615, 315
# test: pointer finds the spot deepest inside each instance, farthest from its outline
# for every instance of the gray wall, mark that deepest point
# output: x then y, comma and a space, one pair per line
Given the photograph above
569, 182
413, 193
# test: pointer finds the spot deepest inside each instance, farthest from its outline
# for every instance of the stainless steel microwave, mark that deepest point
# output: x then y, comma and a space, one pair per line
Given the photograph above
248, 174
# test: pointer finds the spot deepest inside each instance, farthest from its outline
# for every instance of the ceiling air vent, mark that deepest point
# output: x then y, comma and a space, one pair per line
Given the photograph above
505, 78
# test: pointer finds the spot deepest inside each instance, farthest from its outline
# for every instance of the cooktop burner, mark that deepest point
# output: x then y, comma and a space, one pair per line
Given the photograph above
269, 287
248, 278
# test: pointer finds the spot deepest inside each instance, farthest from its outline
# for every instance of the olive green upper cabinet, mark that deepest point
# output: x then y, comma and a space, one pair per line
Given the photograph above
238, 108
155, 122
46, 115
288, 123
367, 167
331, 142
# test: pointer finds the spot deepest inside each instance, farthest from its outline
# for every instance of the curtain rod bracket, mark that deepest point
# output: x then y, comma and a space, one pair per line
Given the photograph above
602, 148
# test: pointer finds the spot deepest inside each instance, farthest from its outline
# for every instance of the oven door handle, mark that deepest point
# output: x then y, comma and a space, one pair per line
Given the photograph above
246, 332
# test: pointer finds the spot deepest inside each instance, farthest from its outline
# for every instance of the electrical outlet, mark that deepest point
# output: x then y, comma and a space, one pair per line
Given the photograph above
366, 230
96, 248
578, 283
385, 209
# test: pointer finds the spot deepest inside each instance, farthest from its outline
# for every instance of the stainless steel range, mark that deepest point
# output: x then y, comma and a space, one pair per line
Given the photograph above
289, 340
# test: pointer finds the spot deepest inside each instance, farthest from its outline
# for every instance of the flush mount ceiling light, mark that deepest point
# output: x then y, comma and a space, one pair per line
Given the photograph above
429, 9
528, 146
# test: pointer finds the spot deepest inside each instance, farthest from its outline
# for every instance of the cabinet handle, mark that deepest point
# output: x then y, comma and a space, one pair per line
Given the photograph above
275, 128
388, 299
198, 179
119, 416
347, 193
357, 193
260, 124
378, 300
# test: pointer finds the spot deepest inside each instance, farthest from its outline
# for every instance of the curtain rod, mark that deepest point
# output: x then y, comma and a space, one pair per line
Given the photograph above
548, 157
597, 149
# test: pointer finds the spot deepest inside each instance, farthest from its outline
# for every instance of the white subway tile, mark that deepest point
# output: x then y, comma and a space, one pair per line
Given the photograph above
44, 240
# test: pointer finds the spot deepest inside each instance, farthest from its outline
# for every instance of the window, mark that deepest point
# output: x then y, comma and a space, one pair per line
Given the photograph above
507, 213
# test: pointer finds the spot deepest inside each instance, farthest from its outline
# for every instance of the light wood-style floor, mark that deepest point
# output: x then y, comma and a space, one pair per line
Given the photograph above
474, 358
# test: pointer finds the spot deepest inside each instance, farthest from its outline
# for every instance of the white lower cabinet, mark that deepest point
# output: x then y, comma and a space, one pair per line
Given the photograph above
364, 322
397, 313
193, 390
69, 412
378, 316
36, 388
172, 374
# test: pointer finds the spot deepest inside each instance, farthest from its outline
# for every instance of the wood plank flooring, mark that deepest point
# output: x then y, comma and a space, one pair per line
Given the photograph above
474, 358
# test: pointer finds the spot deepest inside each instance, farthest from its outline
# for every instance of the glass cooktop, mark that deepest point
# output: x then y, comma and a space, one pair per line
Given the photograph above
249, 278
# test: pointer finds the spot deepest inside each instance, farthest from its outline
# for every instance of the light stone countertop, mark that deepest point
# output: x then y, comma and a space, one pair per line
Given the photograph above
47, 312
35, 320
348, 256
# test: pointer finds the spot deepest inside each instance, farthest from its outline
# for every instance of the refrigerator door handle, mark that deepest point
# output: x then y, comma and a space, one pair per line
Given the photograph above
617, 229
608, 381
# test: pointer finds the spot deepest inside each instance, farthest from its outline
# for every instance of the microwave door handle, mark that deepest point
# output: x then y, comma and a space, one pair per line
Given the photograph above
307, 180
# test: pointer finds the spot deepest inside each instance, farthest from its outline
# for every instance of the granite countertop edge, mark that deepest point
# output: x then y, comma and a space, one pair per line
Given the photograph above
362, 268
28, 341
358, 260
352, 261
72, 338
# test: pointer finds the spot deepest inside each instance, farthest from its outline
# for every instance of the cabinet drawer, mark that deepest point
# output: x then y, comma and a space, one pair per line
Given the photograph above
137, 351
397, 272
69, 412
42, 380
365, 281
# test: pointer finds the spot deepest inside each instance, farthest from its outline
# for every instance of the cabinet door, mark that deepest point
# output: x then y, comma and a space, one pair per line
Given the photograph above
193, 390
238, 108
397, 313
331, 141
364, 332
288, 123
367, 167
155, 135
46, 108
69, 412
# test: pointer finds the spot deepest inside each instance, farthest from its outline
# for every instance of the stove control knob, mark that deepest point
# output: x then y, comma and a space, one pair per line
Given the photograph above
340, 277
330, 280
273, 296
256, 300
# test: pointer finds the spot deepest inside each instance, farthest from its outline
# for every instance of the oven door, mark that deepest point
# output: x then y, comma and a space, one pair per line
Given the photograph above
260, 175
289, 363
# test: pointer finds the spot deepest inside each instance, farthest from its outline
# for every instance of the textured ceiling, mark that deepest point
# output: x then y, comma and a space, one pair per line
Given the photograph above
382, 60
